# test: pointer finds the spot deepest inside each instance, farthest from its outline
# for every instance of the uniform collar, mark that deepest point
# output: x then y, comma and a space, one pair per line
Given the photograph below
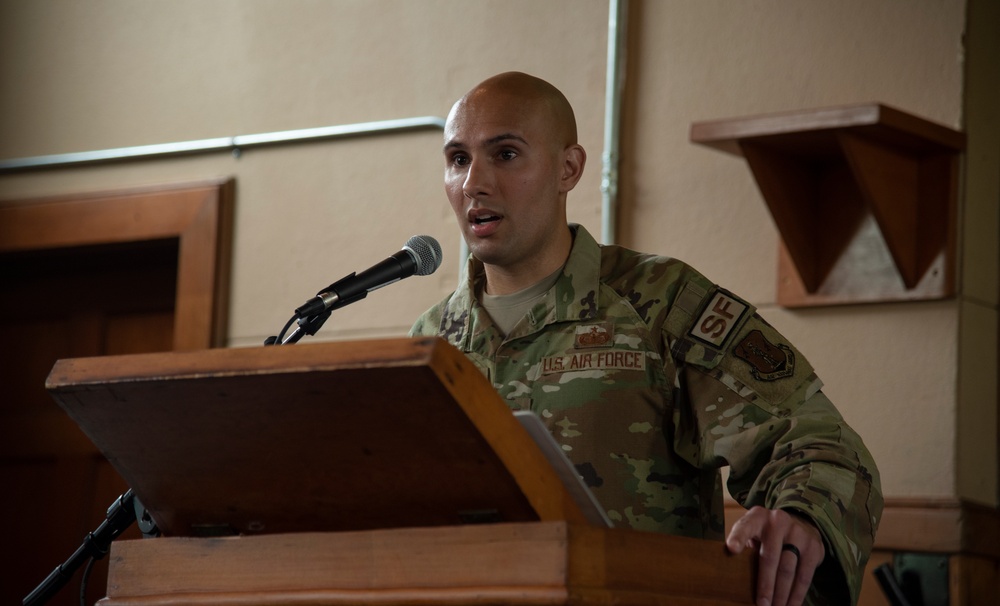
577, 288
572, 298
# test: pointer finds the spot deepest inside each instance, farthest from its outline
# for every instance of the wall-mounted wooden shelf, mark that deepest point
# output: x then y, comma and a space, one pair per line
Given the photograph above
864, 197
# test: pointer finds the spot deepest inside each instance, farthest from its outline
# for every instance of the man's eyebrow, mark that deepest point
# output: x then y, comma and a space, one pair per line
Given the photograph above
505, 137
491, 141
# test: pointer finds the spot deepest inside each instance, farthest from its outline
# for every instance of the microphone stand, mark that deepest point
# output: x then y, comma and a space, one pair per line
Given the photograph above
125, 510
310, 324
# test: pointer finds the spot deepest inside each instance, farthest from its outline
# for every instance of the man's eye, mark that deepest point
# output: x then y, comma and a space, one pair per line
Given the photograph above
507, 154
459, 160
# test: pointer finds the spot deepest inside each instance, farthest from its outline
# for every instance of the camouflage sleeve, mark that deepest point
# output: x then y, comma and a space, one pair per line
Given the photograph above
422, 328
751, 401
428, 324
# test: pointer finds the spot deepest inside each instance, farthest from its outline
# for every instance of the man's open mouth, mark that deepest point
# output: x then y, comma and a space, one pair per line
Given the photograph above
485, 219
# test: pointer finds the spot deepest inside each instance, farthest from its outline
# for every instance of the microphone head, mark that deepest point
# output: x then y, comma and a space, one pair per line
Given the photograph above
426, 252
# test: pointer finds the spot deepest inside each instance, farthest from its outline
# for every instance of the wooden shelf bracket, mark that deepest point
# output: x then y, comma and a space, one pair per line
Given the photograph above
863, 196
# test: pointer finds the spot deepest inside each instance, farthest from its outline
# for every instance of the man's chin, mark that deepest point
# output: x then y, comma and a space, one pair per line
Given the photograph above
485, 252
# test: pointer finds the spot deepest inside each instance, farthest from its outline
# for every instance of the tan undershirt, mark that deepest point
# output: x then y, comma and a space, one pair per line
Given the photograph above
507, 310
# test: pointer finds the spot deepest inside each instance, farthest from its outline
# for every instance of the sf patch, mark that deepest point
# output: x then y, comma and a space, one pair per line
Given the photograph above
768, 362
717, 321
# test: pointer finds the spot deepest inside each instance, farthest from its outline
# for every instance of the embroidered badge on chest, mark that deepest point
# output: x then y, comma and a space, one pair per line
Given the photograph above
602, 360
594, 335
768, 362
599, 337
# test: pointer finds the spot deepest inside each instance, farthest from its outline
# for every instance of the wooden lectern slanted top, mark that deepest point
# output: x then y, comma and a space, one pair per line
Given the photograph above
345, 468
315, 437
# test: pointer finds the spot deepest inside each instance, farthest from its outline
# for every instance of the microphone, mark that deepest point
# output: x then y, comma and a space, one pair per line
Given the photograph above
421, 255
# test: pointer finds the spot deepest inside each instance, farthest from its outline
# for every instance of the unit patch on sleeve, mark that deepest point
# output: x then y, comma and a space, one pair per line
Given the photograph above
718, 320
768, 362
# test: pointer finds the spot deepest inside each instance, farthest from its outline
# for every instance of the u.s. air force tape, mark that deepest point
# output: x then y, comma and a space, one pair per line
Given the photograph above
609, 359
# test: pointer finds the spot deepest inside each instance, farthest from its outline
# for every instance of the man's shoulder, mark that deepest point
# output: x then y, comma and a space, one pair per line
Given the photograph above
650, 283
427, 323
704, 324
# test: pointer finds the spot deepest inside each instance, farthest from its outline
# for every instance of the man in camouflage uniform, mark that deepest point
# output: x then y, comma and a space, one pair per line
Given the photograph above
650, 376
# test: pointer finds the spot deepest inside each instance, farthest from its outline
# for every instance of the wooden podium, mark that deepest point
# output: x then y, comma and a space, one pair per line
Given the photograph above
375, 472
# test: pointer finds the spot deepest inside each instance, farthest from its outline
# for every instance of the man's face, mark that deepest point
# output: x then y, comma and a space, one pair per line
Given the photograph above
503, 168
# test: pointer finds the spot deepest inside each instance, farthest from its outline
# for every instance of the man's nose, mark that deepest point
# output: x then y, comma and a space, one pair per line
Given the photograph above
478, 179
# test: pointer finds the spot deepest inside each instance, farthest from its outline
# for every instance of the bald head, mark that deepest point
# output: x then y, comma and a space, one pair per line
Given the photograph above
527, 96
511, 158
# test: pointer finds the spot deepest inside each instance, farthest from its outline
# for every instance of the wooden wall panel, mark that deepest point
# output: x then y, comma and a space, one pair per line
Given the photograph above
84, 275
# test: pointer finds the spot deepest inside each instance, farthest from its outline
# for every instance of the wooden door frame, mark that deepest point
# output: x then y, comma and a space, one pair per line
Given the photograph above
199, 215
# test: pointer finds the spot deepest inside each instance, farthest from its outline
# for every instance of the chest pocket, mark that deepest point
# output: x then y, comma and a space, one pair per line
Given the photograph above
592, 372
579, 364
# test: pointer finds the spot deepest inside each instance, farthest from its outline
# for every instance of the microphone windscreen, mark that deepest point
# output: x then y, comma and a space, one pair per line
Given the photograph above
427, 253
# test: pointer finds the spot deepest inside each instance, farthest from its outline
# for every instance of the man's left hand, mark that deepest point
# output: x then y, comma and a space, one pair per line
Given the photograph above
790, 551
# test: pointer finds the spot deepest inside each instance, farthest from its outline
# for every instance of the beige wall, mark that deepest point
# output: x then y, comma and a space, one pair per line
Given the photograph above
82, 76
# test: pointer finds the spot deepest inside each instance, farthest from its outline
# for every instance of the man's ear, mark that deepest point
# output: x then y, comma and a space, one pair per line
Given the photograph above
574, 159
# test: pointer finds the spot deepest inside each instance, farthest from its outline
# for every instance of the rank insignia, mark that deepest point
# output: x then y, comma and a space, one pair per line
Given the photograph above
594, 335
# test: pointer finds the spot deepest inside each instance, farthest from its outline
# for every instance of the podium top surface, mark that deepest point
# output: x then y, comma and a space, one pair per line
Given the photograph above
312, 437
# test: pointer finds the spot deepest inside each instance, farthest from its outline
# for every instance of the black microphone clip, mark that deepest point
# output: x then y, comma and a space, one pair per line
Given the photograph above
328, 299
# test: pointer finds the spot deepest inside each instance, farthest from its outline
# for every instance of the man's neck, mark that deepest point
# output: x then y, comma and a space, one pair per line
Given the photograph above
501, 282
509, 280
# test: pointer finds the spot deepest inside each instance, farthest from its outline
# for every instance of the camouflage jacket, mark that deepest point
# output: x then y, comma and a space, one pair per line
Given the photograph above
652, 379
